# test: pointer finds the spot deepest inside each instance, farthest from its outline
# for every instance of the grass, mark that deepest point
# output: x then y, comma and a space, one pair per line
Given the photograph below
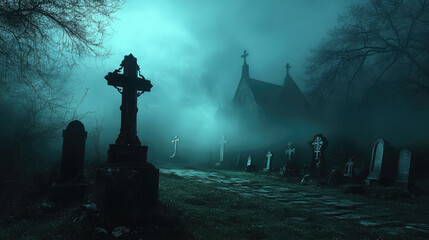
192, 210
209, 213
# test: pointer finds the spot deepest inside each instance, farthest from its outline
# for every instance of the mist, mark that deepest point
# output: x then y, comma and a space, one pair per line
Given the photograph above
191, 53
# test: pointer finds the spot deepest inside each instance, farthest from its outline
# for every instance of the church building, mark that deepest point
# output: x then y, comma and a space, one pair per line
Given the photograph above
269, 103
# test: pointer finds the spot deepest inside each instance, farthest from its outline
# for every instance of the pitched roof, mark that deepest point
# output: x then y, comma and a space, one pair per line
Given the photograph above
265, 93
292, 93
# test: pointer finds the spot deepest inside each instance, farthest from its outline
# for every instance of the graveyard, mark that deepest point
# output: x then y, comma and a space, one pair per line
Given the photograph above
149, 120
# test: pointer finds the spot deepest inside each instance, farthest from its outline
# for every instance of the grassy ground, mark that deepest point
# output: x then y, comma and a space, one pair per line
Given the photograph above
209, 213
190, 210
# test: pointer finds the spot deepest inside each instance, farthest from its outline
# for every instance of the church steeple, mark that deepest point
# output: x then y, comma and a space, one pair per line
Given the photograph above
245, 68
288, 77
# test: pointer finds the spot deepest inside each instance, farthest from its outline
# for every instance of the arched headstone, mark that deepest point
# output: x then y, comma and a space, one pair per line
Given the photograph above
71, 184
381, 168
73, 156
404, 178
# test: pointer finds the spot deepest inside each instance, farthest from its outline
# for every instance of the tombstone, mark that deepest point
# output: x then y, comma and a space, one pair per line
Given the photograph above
268, 166
404, 169
250, 167
290, 151
127, 185
174, 141
222, 143
289, 168
349, 170
335, 177
318, 163
381, 166
71, 183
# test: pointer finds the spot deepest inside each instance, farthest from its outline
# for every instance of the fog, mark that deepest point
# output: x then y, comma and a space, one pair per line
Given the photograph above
191, 52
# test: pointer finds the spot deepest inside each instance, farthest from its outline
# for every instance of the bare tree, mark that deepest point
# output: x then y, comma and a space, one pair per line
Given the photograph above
39, 37
383, 39
40, 42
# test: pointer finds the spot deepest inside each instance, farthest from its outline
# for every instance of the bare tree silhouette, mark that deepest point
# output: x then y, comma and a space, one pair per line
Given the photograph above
379, 40
40, 42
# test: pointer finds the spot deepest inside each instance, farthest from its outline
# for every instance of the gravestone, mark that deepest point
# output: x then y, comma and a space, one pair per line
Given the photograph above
404, 169
381, 169
318, 163
289, 168
250, 167
268, 164
127, 185
335, 177
290, 151
174, 141
349, 170
71, 183
222, 143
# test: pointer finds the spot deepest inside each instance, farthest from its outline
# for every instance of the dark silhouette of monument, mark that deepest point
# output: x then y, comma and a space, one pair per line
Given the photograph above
127, 184
71, 184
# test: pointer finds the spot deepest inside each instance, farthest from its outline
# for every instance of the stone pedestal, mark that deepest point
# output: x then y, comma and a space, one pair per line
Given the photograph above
126, 153
127, 186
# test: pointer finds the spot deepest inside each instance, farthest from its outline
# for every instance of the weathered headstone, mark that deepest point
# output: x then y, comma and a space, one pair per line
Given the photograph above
127, 185
381, 166
404, 178
268, 165
71, 183
318, 164
349, 170
290, 151
250, 167
335, 177
174, 141
289, 168
73, 156
222, 143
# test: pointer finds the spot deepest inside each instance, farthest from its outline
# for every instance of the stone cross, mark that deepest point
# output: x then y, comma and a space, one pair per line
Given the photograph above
268, 166
130, 86
317, 145
174, 141
222, 142
249, 161
290, 151
244, 56
287, 69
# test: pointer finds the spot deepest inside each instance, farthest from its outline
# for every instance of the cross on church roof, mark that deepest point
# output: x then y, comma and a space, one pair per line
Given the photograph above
244, 56
287, 69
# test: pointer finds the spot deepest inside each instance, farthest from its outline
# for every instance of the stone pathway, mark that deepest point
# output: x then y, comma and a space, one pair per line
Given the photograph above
330, 206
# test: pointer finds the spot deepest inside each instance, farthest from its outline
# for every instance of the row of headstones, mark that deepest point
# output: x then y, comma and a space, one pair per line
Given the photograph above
384, 168
316, 167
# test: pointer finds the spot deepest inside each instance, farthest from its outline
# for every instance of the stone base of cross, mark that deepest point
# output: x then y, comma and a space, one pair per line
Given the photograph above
127, 186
